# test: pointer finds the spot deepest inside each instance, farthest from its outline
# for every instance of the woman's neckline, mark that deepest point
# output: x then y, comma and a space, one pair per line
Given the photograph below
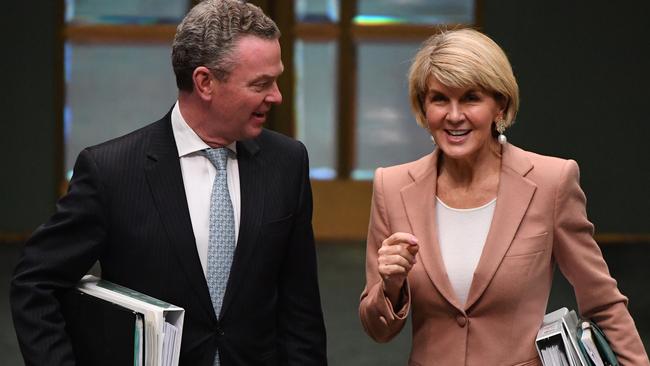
489, 203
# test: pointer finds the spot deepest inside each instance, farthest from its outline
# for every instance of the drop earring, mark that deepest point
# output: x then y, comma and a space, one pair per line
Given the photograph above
501, 128
430, 135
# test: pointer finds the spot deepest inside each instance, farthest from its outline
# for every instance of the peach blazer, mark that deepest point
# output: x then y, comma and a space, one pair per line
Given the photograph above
539, 221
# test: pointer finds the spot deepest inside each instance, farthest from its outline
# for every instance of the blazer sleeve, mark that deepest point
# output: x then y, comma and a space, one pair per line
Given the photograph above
300, 320
378, 316
582, 263
57, 255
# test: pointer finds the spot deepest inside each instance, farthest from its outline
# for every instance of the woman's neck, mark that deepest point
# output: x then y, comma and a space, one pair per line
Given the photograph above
468, 170
468, 183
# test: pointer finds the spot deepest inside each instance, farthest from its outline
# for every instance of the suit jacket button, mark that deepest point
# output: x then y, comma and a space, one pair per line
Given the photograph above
220, 332
461, 320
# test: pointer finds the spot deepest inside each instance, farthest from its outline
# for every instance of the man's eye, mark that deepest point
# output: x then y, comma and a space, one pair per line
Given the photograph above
262, 85
438, 98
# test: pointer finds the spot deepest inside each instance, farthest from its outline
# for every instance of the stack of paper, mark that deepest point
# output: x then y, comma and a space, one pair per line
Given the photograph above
551, 346
589, 345
557, 342
163, 322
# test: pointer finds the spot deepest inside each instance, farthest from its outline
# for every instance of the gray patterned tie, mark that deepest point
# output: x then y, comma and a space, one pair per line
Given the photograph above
221, 242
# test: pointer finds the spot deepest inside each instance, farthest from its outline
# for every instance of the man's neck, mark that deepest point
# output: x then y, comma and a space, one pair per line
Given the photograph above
194, 112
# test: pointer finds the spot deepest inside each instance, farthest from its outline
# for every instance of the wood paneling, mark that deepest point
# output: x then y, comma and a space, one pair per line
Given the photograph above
341, 209
103, 33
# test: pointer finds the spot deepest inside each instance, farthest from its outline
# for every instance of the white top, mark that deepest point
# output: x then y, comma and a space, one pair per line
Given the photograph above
462, 234
198, 176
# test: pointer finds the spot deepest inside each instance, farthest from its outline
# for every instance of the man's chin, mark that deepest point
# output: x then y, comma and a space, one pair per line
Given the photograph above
252, 132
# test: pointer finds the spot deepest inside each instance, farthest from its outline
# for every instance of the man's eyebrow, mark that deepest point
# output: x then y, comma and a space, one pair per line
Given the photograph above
264, 77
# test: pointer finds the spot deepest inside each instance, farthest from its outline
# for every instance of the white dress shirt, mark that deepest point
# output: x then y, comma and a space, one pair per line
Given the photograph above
198, 176
462, 234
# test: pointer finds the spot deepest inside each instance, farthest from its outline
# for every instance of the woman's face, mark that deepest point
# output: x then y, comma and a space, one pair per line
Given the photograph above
460, 120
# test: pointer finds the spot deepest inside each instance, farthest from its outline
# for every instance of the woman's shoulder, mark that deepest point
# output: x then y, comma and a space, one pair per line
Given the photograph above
544, 167
413, 167
541, 159
397, 176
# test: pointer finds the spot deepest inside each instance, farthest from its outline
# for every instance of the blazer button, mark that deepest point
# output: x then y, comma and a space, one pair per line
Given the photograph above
461, 320
220, 332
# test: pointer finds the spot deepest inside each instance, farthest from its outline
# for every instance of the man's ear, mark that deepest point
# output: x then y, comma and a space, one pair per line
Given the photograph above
204, 82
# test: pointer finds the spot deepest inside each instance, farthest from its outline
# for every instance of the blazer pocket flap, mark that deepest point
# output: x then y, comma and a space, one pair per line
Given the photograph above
279, 220
528, 245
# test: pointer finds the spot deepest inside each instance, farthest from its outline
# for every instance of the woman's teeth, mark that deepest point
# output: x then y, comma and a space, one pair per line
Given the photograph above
458, 132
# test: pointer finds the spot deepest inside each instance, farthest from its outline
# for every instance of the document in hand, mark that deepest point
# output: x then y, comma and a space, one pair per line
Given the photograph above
588, 345
102, 333
595, 346
557, 341
152, 327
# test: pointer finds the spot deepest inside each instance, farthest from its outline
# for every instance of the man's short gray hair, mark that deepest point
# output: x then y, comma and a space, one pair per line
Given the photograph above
208, 34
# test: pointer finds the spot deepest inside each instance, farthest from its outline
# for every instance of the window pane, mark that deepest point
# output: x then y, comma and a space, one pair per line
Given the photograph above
126, 11
315, 64
386, 131
317, 10
112, 90
415, 11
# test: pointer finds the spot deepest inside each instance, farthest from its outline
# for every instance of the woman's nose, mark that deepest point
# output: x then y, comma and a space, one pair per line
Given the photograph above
455, 113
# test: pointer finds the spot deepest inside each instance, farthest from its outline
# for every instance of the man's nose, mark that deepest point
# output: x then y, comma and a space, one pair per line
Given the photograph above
274, 97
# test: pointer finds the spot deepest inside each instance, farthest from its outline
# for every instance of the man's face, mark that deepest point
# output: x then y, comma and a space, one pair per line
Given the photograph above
241, 103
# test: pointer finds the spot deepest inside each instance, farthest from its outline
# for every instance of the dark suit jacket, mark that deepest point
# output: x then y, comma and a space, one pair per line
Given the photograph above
126, 206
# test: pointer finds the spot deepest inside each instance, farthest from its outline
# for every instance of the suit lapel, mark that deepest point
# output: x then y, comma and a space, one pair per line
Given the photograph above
419, 202
251, 182
513, 197
165, 180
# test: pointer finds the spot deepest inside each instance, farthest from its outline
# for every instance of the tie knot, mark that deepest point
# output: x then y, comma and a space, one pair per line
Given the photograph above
218, 157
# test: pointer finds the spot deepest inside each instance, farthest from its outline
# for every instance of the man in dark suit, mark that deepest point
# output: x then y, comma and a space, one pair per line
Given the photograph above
162, 216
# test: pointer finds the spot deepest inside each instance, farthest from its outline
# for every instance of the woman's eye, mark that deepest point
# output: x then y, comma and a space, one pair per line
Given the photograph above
472, 97
438, 98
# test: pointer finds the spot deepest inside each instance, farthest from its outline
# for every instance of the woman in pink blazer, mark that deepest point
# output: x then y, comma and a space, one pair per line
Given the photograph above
466, 238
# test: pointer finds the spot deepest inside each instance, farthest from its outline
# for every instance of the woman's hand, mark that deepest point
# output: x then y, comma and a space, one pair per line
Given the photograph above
395, 259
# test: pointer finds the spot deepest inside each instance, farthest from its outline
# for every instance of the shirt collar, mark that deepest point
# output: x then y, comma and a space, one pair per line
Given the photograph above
187, 141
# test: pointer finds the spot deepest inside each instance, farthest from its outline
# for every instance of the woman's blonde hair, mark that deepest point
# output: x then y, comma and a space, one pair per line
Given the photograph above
463, 58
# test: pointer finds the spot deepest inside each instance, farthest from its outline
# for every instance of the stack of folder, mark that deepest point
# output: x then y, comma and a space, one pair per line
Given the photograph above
563, 340
110, 324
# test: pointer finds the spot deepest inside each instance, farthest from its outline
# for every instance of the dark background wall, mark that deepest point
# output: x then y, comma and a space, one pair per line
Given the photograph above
29, 137
583, 69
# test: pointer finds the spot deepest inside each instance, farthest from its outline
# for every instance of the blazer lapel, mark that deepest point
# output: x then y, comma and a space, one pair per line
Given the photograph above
251, 182
419, 202
513, 197
164, 176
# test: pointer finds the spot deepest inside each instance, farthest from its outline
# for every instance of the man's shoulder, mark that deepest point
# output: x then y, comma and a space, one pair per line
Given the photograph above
272, 142
275, 138
137, 139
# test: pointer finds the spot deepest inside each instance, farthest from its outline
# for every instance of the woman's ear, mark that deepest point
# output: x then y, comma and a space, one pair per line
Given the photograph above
203, 82
502, 103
